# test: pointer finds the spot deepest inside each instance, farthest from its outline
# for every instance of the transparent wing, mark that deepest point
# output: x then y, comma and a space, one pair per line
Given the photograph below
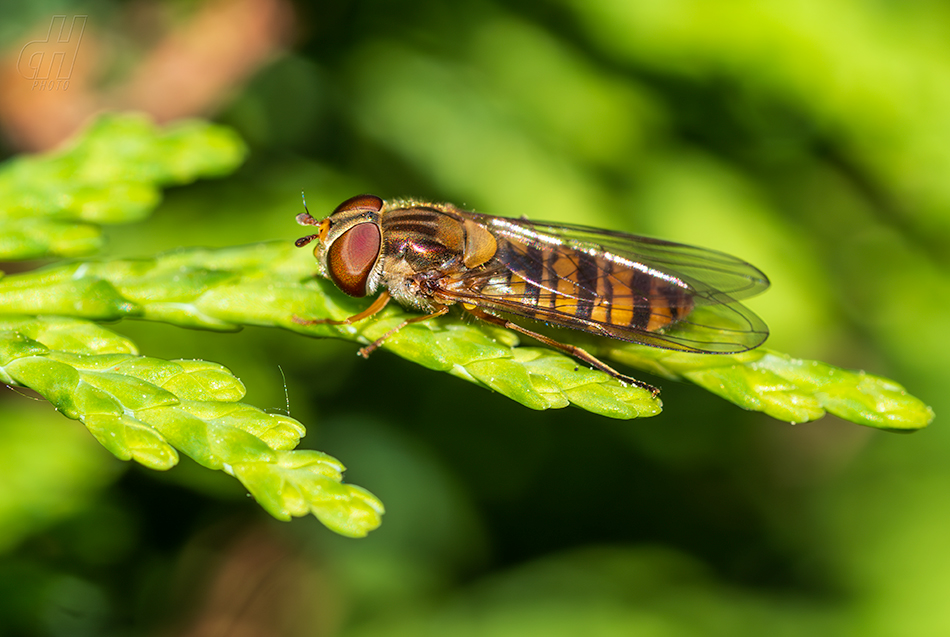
712, 275
556, 273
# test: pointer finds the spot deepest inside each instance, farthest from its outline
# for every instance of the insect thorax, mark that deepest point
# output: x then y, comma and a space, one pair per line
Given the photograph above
424, 243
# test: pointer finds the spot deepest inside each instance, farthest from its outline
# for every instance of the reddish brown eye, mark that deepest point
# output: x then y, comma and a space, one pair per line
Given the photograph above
352, 256
361, 202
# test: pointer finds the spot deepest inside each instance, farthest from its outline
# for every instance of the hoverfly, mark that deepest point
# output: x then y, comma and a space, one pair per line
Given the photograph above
430, 256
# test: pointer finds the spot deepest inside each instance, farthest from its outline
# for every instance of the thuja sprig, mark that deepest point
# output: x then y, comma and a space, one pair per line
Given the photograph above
113, 172
149, 410
270, 284
787, 388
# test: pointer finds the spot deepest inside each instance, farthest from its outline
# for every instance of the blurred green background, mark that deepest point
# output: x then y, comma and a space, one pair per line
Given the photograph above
810, 138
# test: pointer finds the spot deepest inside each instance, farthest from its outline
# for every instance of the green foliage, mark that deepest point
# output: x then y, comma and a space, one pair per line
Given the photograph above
787, 388
148, 410
53, 203
806, 137
142, 408
269, 284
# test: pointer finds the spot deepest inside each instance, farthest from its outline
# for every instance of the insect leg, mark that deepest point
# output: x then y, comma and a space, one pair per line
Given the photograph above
369, 349
375, 308
571, 350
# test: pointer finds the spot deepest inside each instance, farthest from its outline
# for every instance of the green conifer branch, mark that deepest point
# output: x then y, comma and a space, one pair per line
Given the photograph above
148, 410
269, 284
786, 388
53, 204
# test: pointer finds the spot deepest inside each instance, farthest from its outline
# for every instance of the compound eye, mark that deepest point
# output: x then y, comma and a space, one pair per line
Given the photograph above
370, 203
352, 256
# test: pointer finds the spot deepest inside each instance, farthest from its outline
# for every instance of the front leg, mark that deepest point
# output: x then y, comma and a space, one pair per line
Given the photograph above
375, 308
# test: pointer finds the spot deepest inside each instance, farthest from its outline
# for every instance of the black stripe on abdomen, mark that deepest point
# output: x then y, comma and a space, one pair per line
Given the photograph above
640, 286
587, 274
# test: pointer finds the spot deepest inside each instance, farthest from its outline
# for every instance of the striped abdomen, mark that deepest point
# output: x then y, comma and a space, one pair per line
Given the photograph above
587, 286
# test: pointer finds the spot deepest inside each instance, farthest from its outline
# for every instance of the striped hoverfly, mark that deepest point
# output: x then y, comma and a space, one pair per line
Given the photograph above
430, 256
